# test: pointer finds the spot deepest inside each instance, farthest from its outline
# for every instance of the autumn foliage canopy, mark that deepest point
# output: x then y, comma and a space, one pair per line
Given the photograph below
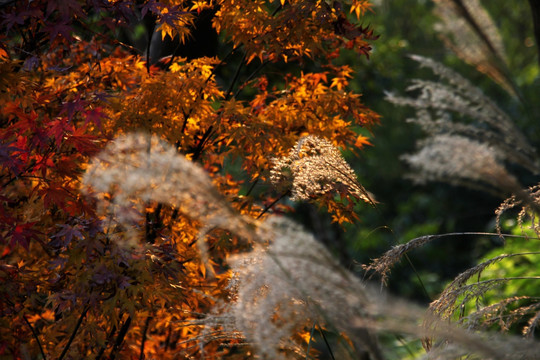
100, 260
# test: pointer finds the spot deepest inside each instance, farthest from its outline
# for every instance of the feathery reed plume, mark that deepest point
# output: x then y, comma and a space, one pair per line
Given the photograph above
288, 286
137, 168
315, 167
478, 304
461, 161
458, 292
288, 282
452, 341
467, 29
384, 264
529, 209
292, 283
467, 130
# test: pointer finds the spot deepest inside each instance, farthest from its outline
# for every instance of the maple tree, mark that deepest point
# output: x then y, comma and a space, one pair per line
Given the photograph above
70, 83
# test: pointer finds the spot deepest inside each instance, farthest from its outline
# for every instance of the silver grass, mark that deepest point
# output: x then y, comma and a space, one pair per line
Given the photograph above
533, 323
469, 31
315, 167
288, 282
528, 205
459, 160
291, 285
460, 119
294, 283
137, 168
460, 291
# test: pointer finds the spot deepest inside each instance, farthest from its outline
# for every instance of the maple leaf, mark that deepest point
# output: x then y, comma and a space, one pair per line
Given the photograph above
58, 129
66, 234
83, 142
9, 158
94, 117
66, 9
60, 29
16, 18
153, 6
22, 234
70, 108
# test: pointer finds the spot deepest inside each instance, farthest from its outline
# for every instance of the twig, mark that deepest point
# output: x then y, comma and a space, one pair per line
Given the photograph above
120, 339
235, 78
74, 333
312, 332
263, 64
201, 91
150, 33
35, 336
202, 142
273, 203
106, 345
143, 341
326, 342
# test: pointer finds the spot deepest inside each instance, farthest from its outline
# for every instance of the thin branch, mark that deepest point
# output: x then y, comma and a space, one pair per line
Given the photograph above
273, 203
235, 78
120, 339
74, 333
253, 185
326, 342
106, 345
133, 49
143, 341
35, 336
201, 91
202, 142
148, 46
252, 75
312, 332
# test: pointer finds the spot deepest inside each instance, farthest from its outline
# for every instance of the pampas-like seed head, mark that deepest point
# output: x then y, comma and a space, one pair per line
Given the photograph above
315, 167
136, 168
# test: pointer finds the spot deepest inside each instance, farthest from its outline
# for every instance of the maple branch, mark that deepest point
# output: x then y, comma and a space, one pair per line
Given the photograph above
35, 337
120, 339
235, 78
150, 33
252, 75
208, 132
104, 347
148, 55
326, 342
133, 49
72, 337
200, 146
253, 185
152, 224
273, 203
17, 177
143, 341
212, 73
